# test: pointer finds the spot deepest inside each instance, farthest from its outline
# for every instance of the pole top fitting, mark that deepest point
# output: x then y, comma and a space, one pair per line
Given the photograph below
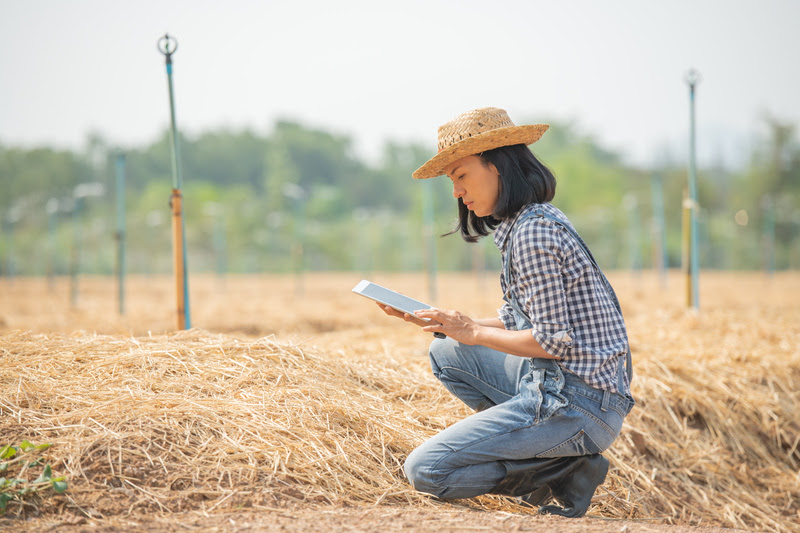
693, 77
167, 45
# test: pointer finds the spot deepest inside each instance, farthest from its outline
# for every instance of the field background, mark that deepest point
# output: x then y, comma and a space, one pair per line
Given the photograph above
713, 440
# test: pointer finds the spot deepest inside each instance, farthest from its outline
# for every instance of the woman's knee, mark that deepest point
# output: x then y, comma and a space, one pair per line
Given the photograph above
421, 474
442, 353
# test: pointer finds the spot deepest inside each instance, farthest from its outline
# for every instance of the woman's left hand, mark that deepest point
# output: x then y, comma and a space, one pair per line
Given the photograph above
454, 324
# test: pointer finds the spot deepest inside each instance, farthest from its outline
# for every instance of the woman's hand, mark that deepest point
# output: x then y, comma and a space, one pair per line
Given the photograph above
391, 311
454, 324
489, 332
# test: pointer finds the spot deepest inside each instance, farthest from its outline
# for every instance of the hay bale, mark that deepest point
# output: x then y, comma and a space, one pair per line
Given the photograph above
197, 420
170, 421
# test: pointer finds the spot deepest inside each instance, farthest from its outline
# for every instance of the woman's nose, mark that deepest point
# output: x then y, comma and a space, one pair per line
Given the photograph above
458, 192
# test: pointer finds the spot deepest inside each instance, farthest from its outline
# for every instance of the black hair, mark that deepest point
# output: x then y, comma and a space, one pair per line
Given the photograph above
523, 180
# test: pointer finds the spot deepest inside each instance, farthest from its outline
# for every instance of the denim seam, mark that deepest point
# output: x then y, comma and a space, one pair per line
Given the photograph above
435, 466
616, 404
592, 417
569, 441
462, 371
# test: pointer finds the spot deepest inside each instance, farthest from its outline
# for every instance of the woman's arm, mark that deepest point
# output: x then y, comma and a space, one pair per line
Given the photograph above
487, 322
486, 332
489, 332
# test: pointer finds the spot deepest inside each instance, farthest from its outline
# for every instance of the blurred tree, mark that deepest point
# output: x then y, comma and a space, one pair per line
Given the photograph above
369, 216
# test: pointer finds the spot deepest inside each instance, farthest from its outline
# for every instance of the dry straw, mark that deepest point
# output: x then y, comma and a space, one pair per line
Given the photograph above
202, 421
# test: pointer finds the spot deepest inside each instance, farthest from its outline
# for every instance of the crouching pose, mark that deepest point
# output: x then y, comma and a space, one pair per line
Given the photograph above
549, 378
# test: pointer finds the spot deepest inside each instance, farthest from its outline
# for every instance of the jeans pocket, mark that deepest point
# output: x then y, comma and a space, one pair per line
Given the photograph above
579, 444
531, 390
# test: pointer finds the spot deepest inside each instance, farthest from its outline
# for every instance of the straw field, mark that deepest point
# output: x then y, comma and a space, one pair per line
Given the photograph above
296, 402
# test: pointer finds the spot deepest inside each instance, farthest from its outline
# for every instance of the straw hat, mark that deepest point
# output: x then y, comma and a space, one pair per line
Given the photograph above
474, 132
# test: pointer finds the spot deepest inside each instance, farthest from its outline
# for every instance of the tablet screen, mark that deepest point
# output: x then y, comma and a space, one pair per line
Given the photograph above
389, 297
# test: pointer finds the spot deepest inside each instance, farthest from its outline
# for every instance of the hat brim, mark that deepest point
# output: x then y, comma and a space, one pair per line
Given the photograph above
476, 144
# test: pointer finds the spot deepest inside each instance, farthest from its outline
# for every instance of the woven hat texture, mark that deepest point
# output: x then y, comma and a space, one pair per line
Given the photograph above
474, 132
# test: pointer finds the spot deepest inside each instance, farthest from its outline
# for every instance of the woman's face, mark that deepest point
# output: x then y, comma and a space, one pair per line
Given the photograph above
477, 185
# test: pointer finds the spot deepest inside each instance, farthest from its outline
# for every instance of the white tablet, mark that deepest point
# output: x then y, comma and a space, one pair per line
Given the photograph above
393, 299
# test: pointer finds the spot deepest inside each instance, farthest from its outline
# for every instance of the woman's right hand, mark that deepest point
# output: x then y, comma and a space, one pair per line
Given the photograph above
405, 316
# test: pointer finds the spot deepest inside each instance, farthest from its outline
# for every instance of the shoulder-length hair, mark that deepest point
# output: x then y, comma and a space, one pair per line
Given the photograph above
523, 180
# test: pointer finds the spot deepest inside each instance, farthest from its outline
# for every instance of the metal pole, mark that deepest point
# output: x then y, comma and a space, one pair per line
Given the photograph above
297, 195
52, 213
168, 45
10, 250
769, 235
75, 258
634, 244
363, 258
659, 228
693, 78
430, 241
220, 246
685, 238
79, 195
120, 235
13, 216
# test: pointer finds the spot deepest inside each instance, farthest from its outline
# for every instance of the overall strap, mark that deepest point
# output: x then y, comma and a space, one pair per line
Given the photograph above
539, 212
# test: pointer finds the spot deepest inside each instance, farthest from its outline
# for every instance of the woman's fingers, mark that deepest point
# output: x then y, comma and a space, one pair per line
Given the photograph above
399, 314
445, 317
432, 314
389, 310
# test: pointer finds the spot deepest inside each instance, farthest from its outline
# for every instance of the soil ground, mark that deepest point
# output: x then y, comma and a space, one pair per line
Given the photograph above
383, 519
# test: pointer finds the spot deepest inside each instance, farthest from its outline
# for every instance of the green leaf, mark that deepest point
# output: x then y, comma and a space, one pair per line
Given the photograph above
8, 452
3, 467
46, 474
60, 486
43, 446
3, 499
27, 446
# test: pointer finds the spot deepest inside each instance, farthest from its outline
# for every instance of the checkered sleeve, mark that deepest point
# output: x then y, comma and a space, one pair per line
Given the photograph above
506, 316
540, 252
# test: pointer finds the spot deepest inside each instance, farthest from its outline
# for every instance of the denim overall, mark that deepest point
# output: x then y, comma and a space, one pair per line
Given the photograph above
522, 321
526, 408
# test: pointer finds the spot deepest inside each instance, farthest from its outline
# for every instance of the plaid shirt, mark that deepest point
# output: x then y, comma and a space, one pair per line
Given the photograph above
557, 287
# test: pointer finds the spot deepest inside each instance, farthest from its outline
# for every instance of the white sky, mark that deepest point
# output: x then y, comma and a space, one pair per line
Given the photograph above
396, 70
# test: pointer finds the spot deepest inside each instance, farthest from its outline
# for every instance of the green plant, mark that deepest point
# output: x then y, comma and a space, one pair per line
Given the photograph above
27, 458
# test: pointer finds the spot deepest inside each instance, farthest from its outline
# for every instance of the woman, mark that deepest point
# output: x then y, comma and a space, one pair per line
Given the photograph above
548, 376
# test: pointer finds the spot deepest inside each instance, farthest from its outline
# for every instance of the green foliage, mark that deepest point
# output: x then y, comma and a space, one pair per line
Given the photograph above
17, 465
250, 199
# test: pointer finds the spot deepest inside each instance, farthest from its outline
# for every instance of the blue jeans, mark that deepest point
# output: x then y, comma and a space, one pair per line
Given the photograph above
527, 408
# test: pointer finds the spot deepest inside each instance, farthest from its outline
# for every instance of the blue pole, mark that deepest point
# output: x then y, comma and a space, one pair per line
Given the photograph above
219, 244
10, 248
769, 236
299, 245
52, 213
660, 244
693, 78
430, 240
634, 237
75, 259
120, 175
168, 45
